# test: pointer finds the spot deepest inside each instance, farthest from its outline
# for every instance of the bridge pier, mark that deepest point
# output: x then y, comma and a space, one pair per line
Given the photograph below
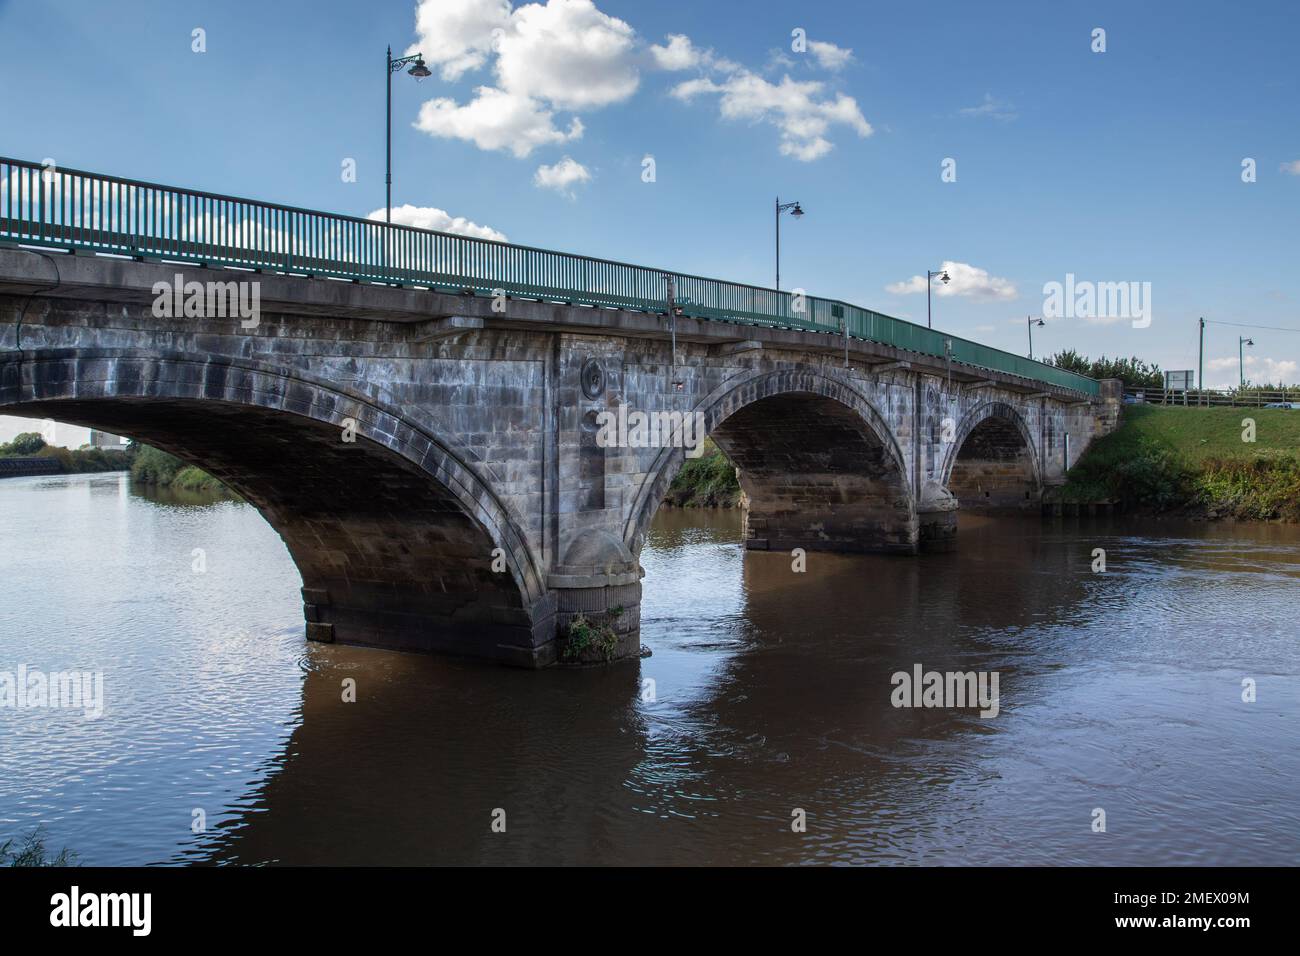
937, 519
597, 593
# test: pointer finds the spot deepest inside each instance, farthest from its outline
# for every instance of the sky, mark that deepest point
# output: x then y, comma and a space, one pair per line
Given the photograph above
1010, 143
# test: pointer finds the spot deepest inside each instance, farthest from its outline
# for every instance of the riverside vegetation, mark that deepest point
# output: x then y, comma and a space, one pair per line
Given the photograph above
705, 482
71, 461
1195, 461
148, 465
152, 466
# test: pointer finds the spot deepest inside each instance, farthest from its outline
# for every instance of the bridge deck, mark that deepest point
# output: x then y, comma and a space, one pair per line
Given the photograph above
73, 209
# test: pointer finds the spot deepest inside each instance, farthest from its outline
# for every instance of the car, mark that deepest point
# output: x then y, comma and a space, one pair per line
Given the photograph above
1283, 405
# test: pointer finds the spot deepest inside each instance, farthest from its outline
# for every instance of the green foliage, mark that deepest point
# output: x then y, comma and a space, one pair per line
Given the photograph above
586, 639
1259, 488
705, 482
1163, 459
1134, 372
31, 444
25, 443
152, 466
32, 853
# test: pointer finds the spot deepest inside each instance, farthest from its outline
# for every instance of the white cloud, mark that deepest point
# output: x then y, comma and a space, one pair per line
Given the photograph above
967, 282
569, 54
562, 176
495, 119
679, 54
1259, 369
561, 55
456, 35
790, 106
428, 217
829, 56
1292, 168
991, 109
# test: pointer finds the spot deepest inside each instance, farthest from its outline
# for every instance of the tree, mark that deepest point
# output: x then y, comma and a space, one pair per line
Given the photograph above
26, 443
1134, 372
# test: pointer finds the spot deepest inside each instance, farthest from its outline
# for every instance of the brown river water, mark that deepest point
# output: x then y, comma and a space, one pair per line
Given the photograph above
771, 697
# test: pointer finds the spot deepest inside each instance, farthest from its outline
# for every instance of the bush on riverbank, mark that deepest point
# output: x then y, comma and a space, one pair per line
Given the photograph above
1262, 488
705, 482
152, 466
1194, 460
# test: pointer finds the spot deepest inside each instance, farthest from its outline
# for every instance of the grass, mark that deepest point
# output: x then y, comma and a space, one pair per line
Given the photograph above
32, 853
1200, 434
1194, 459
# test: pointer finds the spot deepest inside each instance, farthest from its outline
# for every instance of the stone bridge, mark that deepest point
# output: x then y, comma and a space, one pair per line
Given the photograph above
432, 460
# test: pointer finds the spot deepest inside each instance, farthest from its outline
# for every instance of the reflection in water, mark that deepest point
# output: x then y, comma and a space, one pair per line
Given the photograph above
771, 692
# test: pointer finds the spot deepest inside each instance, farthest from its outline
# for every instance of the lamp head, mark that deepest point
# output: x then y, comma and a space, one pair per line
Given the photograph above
419, 70
797, 211
945, 277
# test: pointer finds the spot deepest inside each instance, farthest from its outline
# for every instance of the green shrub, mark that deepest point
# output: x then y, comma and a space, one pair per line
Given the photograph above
585, 639
1261, 488
153, 466
705, 482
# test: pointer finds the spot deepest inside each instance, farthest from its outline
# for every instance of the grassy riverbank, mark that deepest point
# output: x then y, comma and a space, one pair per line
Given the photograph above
161, 470
705, 482
1194, 461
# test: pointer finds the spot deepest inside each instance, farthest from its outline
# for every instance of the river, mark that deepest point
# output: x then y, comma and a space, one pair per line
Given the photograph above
225, 737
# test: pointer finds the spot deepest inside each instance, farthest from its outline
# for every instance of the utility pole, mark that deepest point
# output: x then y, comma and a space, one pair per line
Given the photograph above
1200, 373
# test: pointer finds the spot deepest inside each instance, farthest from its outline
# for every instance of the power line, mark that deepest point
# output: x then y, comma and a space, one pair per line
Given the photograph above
1246, 325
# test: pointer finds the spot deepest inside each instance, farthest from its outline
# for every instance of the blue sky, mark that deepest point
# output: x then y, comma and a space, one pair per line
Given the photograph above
1115, 166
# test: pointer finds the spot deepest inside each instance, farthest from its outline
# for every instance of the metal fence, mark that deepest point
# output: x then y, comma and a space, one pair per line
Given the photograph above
1240, 398
70, 208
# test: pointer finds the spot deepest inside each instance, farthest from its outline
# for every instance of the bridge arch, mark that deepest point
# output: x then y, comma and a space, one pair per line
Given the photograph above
819, 464
394, 534
993, 462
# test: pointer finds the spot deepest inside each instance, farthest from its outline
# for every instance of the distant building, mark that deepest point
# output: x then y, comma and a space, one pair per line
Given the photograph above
100, 439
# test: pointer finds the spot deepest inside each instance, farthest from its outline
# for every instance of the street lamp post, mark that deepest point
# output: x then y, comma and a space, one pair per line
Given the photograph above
929, 277
1242, 342
795, 210
419, 71
1031, 322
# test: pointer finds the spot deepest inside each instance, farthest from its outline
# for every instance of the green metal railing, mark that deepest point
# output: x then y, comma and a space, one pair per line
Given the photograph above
70, 208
